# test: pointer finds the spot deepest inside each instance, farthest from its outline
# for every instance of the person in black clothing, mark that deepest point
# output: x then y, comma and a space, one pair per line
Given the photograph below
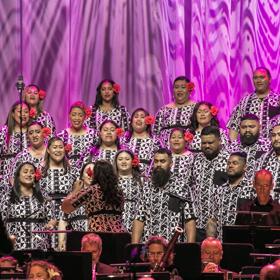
6, 244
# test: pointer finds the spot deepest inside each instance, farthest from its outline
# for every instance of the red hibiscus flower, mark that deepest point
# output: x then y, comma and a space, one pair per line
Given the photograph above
190, 86
87, 112
135, 162
119, 131
32, 113
42, 94
188, 136
68, 148
46, 132
116, 88
38, 174
89, 172
149, 120
214, 111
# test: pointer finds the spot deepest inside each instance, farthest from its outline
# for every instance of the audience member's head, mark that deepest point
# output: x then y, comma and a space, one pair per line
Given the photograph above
270, 272
263, 184
92, 243
43, 270
8, 264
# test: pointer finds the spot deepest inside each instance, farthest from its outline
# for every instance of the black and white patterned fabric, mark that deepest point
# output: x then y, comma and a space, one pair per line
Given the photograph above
8, 152
24, 156
271, 162
160, 213
24, 216
119, 115
182, 165
78, 220
195, 144
143, 148
132, 190
80, 144
168, 118
46, 120
206, 173
227, 200
254, 152
265, 109
99, 154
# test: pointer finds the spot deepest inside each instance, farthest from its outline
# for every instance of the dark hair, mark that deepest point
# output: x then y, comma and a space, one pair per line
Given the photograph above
251, 117
98, 98
78, 104
130, 131
106, 178
135, 169
176, 129
164, 151
15, 192
181, 78
211, 130
39, 106
242, 155
10, 122
47, 158
35, 123
265, 69
193, 119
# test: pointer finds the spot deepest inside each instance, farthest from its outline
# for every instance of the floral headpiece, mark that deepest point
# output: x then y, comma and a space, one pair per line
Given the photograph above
38, 174
214, 111
116, 88
119, 132
46, 132
32, 113
149, 120
42, 94
89, 172
190, 86
68, 148
82, 105
135, 161
188, 136
52, 273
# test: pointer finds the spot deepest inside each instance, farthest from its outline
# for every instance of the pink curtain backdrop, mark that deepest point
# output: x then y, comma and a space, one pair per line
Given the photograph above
68, 46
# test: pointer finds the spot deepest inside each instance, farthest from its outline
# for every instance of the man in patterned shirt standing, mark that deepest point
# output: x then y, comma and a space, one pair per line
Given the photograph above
263, 102
157, 214
209, 169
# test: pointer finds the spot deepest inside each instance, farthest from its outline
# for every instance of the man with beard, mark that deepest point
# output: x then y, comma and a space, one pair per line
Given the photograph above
157, 214
263, 184
209, 169
263, 102
231, 194
250, 142
271, 160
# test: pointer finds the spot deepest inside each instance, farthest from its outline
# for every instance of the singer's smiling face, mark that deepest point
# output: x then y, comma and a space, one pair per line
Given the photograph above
26, 175
24, 114
56, 151
124, 163
77, 118
177, 142
138, 121
31, 96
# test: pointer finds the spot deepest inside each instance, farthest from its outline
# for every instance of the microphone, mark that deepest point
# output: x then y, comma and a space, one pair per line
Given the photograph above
179, 197
20, 83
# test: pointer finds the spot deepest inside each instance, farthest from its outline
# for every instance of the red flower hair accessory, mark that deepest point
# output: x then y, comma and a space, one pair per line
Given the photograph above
214, 111
32, 113
89, 172
42, 94
68, 148
149, 120
116, 88
190, 86
46, 132
82, 106
188, 136
135, 162
88, 112
119, 131
38, 174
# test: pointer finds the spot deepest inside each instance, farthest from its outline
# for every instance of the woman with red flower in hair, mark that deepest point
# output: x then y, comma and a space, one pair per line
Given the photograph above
78, 135
182, 158
25, 209
34, 97
107, 107
108, 143
139, 138
177, 113
127, 168
13, 136
58, 176
204, 114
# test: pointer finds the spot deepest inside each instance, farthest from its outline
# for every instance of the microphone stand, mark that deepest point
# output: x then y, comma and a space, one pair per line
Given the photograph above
20, 87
